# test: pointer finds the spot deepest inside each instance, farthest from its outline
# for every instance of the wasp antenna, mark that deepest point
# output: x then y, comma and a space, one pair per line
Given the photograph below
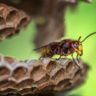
88, 36
79, 38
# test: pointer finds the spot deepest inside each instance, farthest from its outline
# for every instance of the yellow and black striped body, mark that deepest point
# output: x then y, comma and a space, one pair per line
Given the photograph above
62, 48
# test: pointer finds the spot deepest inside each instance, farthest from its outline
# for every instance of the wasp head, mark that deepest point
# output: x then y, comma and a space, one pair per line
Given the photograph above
77, 46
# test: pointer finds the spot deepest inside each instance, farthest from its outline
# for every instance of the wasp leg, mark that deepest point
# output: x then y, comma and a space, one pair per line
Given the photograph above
76, 62
40, 57
77, 58
59, 57
63, 57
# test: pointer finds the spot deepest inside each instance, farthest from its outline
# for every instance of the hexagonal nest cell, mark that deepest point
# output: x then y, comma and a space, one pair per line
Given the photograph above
12, 21
44, 75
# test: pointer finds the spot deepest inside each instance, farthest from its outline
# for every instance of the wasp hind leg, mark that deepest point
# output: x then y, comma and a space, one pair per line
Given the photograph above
40, 57
43, 56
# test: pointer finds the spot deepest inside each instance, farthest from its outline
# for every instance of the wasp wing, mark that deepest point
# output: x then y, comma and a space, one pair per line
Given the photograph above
38, 49
46, 46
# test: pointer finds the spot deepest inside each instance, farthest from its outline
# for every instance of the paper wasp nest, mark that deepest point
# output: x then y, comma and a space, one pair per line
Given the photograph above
39, 76
11, 21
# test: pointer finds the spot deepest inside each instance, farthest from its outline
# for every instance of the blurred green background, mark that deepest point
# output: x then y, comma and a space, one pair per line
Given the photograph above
81, 22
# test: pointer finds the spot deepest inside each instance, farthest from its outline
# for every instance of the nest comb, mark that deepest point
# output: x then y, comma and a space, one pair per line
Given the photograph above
11, 21
39, 76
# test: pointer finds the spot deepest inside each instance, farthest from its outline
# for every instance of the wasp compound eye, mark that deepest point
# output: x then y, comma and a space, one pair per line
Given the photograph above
75, 45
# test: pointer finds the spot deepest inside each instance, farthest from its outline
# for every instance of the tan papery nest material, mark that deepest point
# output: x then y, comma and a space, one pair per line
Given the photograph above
40, 76
11, 21
37, 76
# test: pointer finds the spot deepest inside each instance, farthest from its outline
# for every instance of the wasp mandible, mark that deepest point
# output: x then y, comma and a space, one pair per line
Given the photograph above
64, 47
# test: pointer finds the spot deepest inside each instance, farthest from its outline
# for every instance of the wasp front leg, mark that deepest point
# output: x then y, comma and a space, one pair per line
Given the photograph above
77, 57
76, 61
